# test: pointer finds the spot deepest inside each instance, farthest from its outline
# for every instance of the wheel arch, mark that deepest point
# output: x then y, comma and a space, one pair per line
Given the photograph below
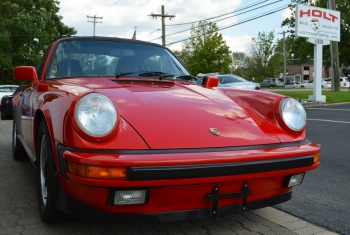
38, 118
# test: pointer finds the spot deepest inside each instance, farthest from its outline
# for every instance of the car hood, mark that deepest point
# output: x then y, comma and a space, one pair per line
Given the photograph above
170, 115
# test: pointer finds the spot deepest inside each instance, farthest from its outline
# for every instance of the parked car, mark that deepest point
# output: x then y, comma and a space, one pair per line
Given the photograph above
234, 81
6, 105
344, 82
272, 82
201, 75
310, 84
134, 136
292, 85
7, 90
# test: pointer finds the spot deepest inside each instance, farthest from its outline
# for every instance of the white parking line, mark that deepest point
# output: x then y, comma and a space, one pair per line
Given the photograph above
324, 120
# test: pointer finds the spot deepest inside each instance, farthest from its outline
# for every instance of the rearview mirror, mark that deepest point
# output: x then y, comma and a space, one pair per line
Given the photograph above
121, 52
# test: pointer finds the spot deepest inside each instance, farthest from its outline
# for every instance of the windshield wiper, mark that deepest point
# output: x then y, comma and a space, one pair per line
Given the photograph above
122, 74
187, 78
160, 75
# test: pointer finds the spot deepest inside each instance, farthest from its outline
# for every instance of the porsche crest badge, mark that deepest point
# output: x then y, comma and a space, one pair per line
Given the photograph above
214, 131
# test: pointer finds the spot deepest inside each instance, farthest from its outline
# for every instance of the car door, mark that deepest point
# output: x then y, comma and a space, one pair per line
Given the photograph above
27, 117
28, 106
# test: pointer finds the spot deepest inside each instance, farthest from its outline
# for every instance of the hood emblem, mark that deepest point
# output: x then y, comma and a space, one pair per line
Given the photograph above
214, 131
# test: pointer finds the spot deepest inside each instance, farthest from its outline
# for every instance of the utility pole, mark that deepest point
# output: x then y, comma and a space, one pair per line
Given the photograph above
284, 57
95, 18
163, 16
334, 56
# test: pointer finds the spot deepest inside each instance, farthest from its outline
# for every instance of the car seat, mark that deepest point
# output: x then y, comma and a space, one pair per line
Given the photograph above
69, 68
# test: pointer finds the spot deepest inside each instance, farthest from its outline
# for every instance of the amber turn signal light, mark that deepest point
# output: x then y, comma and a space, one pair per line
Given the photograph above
98, 172
316, 158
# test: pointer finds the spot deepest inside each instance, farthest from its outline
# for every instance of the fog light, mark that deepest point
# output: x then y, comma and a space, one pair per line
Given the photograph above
293, 180
130, 197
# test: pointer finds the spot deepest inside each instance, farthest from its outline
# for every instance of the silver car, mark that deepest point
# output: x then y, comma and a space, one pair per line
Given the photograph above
234, 81
292, 85
7, 90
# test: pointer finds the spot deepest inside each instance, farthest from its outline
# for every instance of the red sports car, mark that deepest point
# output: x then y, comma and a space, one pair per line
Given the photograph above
119, 129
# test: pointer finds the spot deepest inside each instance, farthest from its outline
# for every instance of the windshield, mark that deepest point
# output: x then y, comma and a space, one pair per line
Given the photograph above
106, 58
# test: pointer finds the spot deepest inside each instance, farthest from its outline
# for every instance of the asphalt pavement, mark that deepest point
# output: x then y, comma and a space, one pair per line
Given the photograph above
19, 211
324, 197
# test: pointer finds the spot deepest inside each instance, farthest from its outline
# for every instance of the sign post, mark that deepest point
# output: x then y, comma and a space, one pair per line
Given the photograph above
319, 26
317, 86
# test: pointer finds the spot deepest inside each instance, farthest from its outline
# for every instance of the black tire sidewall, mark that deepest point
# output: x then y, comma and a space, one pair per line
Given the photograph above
48, 212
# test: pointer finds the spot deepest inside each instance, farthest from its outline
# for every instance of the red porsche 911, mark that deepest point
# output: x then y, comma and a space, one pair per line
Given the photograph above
119, 129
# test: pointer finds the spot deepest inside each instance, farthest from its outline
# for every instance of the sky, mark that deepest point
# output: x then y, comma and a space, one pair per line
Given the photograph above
120, 18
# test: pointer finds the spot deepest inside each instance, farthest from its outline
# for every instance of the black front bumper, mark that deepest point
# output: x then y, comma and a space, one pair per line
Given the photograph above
73, 207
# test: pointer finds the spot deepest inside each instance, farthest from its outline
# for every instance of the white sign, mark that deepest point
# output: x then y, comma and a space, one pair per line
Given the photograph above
315, 22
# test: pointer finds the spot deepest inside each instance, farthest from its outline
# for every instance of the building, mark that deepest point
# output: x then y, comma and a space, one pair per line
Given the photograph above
306, 70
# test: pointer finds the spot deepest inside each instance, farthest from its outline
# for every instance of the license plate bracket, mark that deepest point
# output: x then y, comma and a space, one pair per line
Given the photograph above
215, 196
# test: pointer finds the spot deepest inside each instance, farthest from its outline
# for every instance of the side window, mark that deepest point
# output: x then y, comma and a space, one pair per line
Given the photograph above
40, 68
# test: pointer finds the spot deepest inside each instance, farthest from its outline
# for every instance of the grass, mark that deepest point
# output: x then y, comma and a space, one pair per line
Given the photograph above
331, 96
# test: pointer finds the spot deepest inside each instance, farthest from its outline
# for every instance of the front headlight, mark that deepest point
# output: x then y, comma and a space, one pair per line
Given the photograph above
96, 115
293, 114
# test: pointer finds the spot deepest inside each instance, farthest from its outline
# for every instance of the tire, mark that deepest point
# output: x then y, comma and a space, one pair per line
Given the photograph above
302, 86
45, 170
18, 152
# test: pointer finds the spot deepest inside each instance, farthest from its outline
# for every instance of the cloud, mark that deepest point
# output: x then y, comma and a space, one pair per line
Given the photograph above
120, 17
238, 43
286, 13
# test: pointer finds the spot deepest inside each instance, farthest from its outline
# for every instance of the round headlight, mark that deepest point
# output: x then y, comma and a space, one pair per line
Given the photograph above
293, 114
96, 114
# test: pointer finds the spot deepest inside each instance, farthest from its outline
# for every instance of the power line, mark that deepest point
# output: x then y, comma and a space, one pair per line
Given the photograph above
224, 14
224, 18
229, 26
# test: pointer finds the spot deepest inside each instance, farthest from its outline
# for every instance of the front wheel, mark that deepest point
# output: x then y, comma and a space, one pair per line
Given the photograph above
45, 170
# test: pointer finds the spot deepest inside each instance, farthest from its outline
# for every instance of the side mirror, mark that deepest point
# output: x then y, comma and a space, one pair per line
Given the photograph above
210, 81
25, 73
28, 73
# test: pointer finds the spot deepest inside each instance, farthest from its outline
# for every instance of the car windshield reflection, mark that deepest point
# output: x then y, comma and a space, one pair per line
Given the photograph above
113, 58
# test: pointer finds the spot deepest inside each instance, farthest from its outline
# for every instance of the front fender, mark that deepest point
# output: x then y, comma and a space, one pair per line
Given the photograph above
263, 104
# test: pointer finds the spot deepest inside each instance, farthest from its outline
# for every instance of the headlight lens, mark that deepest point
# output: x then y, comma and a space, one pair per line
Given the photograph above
96, 114
293, 114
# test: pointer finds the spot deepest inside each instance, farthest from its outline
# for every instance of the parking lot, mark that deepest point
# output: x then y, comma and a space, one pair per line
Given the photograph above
324, 197
19, 212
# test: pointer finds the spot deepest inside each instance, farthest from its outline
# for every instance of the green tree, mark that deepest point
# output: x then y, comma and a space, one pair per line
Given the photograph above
238, 59
260, 53
276, 62
27, 28
239, 64
184, 54
207, 51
